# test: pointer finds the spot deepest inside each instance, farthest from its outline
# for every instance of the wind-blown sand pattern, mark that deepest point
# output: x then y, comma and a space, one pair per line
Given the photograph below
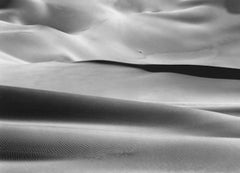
119, 86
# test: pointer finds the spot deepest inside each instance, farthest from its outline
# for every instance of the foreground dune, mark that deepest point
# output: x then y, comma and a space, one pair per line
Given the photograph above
36, 147
26, 104
73, 132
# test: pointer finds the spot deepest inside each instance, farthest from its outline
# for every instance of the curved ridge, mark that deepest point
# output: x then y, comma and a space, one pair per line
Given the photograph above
194, 70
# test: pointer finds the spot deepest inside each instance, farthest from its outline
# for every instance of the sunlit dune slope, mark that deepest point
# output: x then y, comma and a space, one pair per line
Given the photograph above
129, 82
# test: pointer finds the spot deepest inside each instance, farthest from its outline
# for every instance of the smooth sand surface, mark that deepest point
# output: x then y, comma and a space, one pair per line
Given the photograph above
127, 83
119, 86
202, 32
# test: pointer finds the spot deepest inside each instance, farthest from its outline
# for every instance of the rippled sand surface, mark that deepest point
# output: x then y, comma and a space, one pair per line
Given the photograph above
119, 86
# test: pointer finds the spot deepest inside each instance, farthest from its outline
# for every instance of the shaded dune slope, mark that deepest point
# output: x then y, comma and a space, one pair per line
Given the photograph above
27, 104
231, 110
194, 70
75, 132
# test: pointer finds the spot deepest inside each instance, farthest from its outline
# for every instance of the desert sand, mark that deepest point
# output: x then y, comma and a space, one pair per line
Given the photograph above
119, 86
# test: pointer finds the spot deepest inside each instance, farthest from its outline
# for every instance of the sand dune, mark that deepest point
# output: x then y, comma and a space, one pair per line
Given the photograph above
26, 104
90, 148
207, 31
130, 82
119, 86
97, 131
107, 149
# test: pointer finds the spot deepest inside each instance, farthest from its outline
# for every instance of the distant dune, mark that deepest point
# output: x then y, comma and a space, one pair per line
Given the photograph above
119, 86
197, 32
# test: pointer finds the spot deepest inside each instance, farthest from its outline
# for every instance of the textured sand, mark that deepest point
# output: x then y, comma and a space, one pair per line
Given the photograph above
119, 86
73, 132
